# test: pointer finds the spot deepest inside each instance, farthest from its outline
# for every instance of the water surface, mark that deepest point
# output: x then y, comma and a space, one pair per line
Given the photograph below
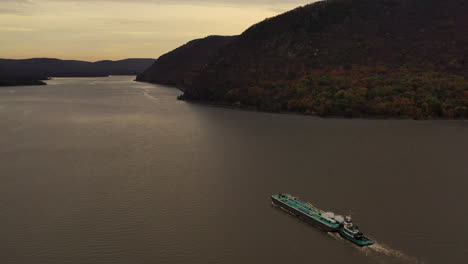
106, 170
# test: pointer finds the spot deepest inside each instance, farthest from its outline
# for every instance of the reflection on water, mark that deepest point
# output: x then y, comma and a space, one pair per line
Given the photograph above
106, 170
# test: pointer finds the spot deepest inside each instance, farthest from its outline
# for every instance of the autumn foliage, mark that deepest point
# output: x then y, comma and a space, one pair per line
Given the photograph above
390, 58
363, 91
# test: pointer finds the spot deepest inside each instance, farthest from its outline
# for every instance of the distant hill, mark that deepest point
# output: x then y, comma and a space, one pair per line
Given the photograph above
181, 65
125, 67
347, 57
23, 72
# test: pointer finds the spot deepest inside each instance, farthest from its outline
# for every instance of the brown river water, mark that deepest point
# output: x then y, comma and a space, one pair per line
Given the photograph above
107, 170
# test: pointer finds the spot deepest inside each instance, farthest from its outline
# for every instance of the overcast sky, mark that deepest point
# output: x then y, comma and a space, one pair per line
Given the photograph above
117, 29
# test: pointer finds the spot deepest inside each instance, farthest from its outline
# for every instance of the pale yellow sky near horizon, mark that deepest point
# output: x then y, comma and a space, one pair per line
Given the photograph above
118, 29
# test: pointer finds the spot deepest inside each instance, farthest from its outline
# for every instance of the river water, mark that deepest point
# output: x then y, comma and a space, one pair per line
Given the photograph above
107, 170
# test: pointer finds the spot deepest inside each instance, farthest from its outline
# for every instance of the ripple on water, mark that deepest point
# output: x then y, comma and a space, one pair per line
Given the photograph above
380, 249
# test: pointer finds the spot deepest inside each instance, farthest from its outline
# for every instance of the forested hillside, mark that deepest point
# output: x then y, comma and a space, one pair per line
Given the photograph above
346, 57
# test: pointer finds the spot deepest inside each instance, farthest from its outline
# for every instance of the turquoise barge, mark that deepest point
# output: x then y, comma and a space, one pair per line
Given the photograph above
307, 211
326, 221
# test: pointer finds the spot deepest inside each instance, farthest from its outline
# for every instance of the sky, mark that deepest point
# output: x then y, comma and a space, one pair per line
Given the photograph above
116, 29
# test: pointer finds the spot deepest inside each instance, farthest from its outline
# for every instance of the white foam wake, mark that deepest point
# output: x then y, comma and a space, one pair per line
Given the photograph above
145, 93
380, 249
390, 252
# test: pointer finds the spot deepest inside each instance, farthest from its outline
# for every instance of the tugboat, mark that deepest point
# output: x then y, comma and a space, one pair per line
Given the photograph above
352, 233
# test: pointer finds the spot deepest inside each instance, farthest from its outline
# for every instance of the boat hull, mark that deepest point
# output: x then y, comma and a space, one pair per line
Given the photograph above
304, 216
360, 242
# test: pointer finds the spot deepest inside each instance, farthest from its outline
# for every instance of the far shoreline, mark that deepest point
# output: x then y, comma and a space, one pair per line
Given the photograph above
361, 117
255, 109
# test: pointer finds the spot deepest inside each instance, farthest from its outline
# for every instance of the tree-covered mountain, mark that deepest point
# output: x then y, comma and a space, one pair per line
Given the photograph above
29, 71
181, 65
347, 57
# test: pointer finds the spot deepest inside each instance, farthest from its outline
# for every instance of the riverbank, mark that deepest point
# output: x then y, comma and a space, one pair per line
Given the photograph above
241, 107
20, 82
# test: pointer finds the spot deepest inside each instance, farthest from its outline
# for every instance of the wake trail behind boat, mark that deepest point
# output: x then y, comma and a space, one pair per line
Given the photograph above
146, 94
381, 249
390, 252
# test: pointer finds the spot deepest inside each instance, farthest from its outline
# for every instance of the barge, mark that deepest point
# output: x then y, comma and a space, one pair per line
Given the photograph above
308, 212
326, 221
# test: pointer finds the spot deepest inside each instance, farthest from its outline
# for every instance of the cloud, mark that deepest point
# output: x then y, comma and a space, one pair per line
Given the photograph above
15, 7
230, 2
10, 11
176, 2
17, 1
16, 29
115, 29
28, 7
